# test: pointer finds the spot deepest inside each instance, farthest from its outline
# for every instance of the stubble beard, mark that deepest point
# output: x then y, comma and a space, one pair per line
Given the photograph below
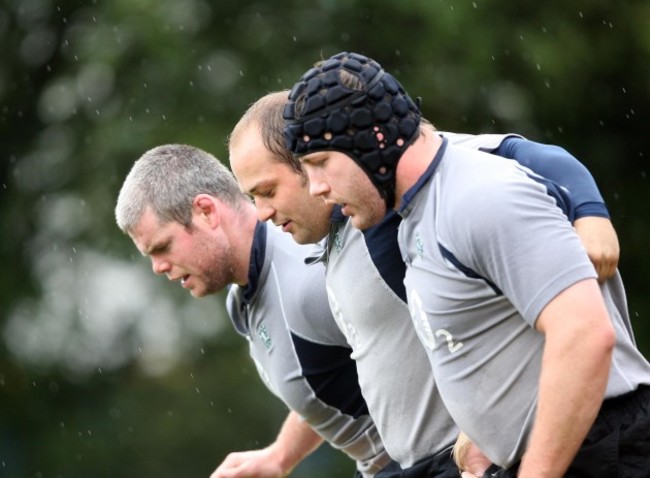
216, 266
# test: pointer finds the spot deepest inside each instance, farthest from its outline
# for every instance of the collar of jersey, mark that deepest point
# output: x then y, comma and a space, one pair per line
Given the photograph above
412, 192
258, 251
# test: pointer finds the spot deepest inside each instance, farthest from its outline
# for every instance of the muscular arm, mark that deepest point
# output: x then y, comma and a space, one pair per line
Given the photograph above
579, 340
295, 441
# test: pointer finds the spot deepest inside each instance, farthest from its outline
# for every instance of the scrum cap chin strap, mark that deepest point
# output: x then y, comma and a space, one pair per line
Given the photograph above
371, 119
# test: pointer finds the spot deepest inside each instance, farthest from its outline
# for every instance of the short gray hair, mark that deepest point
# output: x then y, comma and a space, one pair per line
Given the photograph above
167, 179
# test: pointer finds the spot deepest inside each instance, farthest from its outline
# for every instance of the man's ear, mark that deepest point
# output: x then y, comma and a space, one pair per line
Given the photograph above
205, 209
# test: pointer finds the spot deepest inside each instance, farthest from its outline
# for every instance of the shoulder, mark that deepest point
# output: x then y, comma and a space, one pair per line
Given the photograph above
481, 192
482, 142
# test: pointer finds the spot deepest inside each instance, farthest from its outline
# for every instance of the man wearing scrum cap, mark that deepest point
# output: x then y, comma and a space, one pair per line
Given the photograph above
533, 361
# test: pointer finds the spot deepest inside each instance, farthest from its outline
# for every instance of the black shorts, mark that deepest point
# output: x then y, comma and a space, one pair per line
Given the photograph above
618, 444
440, 465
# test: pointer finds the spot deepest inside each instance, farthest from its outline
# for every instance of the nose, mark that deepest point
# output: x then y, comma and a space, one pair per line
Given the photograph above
318, 187
317, 184
264, 211
160, 266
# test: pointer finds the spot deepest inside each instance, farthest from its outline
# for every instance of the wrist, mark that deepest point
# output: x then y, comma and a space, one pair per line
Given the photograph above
284, 460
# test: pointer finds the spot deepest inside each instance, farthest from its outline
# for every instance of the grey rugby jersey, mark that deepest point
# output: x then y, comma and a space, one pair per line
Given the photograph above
299, 351
476, 283
394, 371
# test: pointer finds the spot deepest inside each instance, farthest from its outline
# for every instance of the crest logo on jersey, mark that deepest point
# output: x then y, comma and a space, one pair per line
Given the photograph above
264, 336
338, 242
419, 247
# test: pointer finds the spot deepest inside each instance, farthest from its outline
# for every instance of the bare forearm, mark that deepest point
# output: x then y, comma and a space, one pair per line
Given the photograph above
296, 440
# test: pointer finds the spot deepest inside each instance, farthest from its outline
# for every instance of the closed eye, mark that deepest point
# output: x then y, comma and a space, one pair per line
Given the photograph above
314, 160
158, 249
267, 193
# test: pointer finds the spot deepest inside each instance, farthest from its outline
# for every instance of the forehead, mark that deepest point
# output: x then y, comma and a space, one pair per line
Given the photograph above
149, 232
248, 153
254, 165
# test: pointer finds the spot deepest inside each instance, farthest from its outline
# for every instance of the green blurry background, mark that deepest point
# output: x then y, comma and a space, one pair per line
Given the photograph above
109, 371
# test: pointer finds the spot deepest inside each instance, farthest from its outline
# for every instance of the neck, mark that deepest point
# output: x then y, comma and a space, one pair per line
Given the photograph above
242, 226
415, 161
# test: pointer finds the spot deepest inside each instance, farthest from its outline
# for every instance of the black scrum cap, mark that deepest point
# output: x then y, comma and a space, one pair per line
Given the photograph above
348, 103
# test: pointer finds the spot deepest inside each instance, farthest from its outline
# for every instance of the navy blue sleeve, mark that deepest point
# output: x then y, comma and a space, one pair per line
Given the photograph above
556, 164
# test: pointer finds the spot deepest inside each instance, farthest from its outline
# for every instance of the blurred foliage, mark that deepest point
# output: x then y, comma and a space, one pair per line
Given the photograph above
107, 371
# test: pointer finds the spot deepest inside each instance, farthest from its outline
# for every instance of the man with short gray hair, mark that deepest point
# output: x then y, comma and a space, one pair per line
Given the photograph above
183, 210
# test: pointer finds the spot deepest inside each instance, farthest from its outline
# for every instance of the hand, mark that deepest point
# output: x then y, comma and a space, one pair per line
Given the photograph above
469, 458
600, 239
251, 464
467, 474
475, 462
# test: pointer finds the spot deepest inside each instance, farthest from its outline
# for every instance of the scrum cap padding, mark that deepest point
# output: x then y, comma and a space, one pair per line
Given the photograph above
348, 103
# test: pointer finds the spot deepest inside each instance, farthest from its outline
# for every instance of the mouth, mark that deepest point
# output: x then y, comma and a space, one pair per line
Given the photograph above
184, 280
285, 226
